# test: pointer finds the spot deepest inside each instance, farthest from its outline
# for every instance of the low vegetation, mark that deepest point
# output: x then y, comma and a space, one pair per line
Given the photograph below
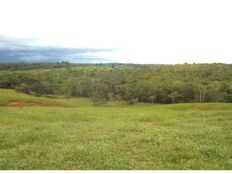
80, 135
115, 116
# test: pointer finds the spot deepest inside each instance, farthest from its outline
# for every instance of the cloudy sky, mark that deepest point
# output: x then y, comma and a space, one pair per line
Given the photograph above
127, 31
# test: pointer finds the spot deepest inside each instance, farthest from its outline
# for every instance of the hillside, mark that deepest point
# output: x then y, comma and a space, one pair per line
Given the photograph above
8, 97
77, 135
183, 83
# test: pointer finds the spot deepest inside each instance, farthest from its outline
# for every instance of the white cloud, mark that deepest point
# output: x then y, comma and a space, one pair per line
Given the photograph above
151, 31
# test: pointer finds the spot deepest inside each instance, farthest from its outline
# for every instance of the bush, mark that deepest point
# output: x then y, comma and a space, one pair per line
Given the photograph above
133, 101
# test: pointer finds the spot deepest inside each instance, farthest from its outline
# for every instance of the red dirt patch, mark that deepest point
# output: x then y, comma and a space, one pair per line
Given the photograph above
29, 103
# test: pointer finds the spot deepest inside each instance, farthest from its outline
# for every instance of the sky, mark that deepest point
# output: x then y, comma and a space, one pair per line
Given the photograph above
125, 31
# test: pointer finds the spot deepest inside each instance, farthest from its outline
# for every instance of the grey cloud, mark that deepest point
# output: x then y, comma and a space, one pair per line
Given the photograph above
23, 50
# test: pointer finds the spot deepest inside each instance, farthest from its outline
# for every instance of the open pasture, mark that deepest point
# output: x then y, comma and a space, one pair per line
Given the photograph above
75, 134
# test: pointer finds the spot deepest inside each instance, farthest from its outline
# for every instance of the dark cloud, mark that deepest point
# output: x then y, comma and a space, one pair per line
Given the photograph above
23, 50
16, 43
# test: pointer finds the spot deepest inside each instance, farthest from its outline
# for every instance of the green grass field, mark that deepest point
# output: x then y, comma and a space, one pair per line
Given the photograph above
78, 135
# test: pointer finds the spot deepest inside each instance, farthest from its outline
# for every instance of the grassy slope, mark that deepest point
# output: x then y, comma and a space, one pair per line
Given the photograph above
144, 136
7, 95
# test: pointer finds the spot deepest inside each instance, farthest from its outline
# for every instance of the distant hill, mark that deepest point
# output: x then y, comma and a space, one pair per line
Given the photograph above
128, 82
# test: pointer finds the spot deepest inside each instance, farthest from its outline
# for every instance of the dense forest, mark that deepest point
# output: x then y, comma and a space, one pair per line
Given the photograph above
130, 82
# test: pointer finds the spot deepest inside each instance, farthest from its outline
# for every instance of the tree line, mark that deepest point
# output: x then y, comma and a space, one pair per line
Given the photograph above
130, 82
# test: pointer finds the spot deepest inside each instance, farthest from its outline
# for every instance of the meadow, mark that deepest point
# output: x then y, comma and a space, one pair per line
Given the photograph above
76, 134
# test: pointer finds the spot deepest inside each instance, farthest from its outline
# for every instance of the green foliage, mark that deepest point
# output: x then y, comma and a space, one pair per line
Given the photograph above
129, 82
32, 66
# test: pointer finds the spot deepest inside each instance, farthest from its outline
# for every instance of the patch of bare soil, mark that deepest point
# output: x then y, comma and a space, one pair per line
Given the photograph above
20, 103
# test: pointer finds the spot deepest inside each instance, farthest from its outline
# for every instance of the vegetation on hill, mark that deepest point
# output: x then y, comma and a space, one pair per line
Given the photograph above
79, 135
129, 82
